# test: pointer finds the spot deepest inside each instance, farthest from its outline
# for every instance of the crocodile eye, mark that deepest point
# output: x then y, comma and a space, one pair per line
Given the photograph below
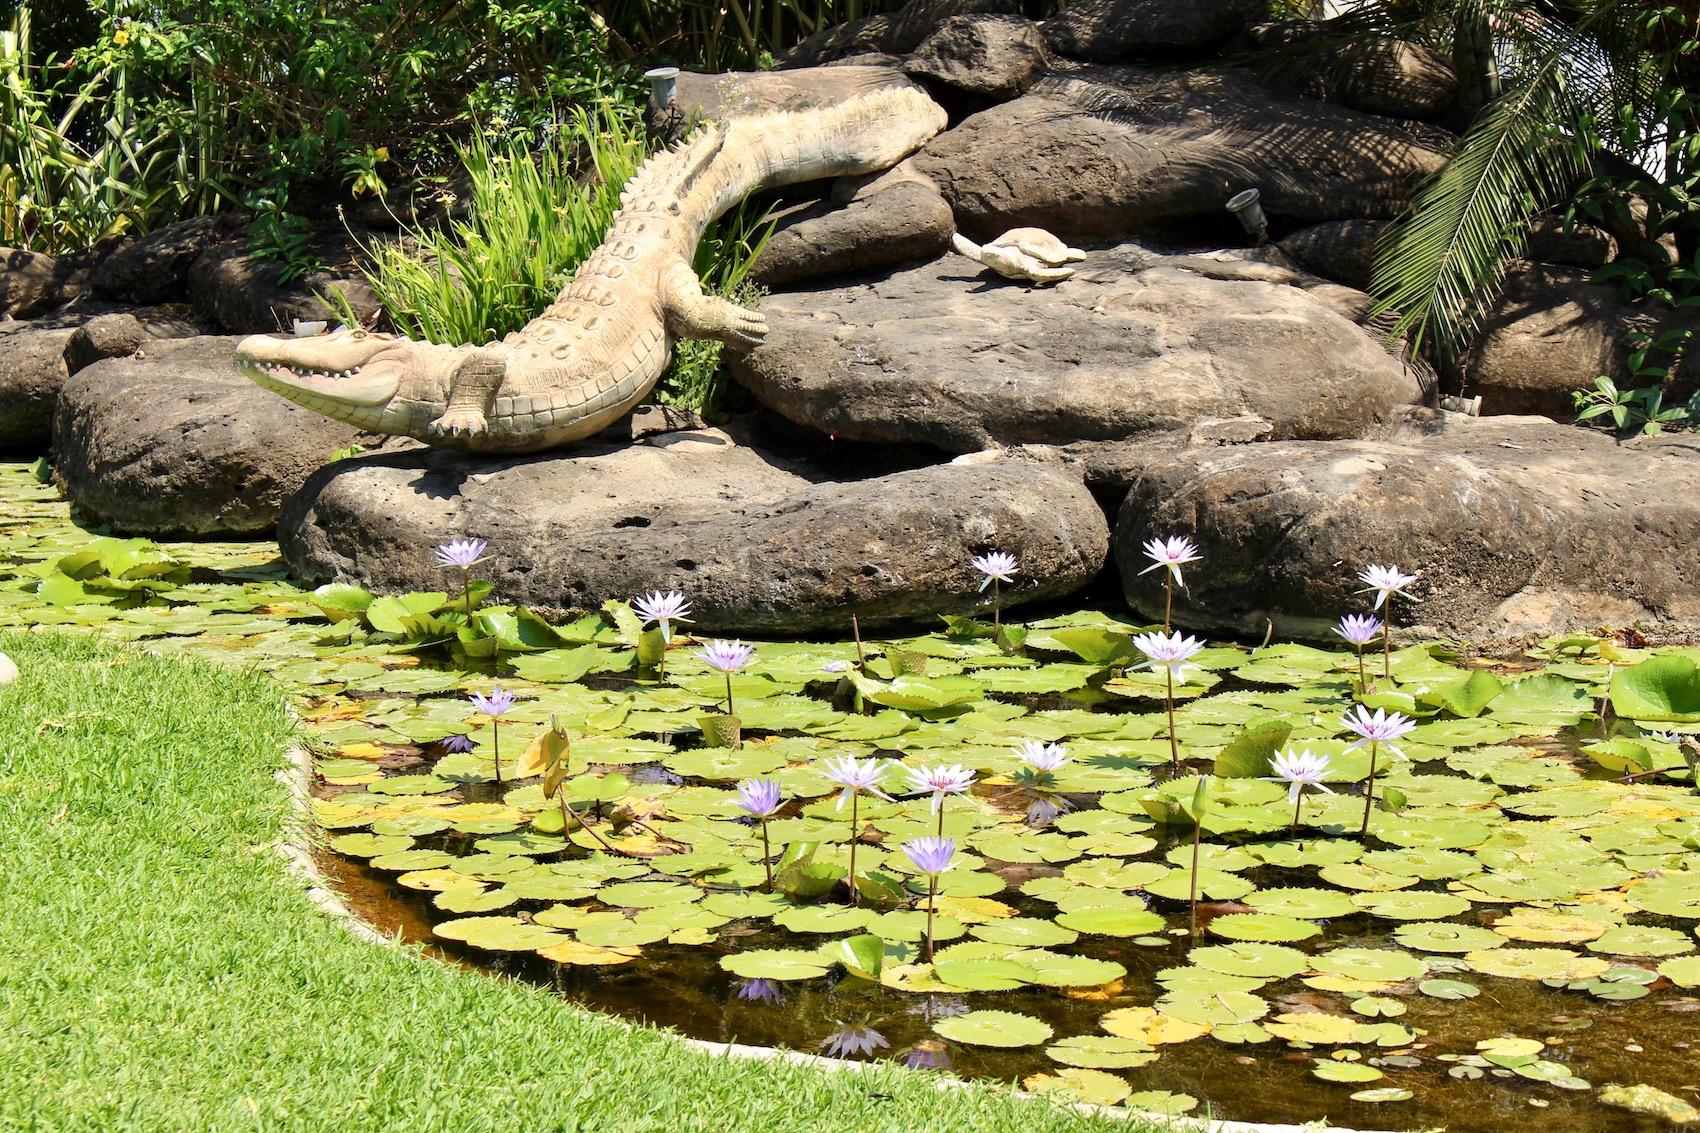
360, 332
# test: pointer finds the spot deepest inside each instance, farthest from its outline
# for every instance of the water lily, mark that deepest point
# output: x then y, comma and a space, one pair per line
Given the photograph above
930, 857
663, 610
495, 706
928, 1054
941, 781
855, 777
1381, 727
1042, 757
1299, 770
835, 667
758, 990
464, 554
760, 798
728, 657
1359, 630
1384, 582
852, 1040
1170, 652
997, 566
455, 745
1171, 553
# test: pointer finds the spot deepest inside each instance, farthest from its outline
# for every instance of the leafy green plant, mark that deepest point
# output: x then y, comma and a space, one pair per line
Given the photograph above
110, 571
1642, 409
283, 236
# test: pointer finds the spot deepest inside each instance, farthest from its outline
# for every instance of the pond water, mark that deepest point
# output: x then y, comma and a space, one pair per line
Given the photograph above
1511, 943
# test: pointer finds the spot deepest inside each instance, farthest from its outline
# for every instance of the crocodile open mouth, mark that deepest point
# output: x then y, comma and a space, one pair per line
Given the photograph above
364, 385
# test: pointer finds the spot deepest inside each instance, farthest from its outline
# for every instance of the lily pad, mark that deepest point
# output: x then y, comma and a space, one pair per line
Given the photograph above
994, 1028
1102, 1052
1330, 1071
1263, 927
1535, 964
1383, 964
1441, 936
1268, 961
1149, 1026
776, 964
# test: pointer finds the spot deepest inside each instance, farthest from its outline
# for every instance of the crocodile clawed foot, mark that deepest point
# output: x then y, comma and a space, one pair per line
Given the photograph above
460, 423
747, 328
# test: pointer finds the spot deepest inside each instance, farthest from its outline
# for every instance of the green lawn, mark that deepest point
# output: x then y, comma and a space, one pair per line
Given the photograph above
161, 971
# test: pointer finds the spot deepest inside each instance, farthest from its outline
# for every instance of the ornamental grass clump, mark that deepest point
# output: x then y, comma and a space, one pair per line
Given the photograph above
1169, 652
853, 777
1381, 727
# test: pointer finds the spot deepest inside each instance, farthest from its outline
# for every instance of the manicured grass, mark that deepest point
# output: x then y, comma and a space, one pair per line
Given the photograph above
159, 970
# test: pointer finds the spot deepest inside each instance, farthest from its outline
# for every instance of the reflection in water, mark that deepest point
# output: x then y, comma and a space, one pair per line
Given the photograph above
928, 1054
762, 991
852, 1040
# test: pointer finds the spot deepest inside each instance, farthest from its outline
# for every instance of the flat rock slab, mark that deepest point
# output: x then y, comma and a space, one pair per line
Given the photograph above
178, 443
756, 545
1104, 153
1518, 528
952, 355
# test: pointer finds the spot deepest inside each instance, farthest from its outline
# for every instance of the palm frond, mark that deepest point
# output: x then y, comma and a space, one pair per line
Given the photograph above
1441, 264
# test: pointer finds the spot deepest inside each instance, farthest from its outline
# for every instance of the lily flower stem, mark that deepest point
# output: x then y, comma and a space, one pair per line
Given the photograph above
585, 826
729, 693
932, 897
1369, 791
997, 606
855, 830
1363, 684
1298, 801
861, 661
466, 592
496, 742
1168, 601
941, 818
1387, 643
1174, 746
766, 855
1197, 834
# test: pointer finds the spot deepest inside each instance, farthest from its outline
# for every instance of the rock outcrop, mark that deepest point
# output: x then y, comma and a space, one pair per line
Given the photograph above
1517, 527
758, 546
179, 444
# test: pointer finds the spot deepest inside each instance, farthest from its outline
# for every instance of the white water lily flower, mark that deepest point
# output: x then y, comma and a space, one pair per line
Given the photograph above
1299, 770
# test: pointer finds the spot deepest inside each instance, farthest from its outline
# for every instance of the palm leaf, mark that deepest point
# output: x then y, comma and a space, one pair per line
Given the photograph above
1441, 265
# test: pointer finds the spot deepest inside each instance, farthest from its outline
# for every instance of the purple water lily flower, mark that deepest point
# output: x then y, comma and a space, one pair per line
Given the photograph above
759, 797
1042, 757
663, 610
835, 667
854, 775
1385, 581
1381, 727
770, 992
930, 856
1169, 651
1172, 553
999, 565
928, 1054
1359, 629
852, 1040
498, 703
941, 781
729, 657
462, 553
456, 745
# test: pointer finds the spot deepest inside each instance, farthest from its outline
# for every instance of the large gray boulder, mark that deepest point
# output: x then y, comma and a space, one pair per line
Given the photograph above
1104, 153
1394, 77
988, 53
155, 269
241, 293
1552, 332
1517, 527
1110, 31
897, 218
1136, 344
755, 543
177, 443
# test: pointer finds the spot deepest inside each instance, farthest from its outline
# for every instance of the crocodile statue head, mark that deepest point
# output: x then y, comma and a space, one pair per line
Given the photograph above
381, 383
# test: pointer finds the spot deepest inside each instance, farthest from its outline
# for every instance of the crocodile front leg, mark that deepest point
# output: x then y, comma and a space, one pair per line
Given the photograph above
472, 391
693, 314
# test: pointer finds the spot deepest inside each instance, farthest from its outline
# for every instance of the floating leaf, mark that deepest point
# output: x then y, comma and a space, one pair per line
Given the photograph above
1330, 1071
1149, 1026
1384, 1094
994, 1028
1262, 927
1381, 964
1105, 1052
1315, 1027
1659, 688
1440, 936
1449, 989
1268, 961
1535, 964
776, 964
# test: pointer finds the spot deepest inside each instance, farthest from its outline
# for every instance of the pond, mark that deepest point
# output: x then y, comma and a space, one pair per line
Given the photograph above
1511, 941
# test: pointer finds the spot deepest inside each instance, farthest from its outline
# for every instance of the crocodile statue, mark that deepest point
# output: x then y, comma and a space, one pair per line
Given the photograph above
597, 350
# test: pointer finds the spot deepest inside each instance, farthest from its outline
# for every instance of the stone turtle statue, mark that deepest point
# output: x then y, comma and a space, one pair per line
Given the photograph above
1023, 253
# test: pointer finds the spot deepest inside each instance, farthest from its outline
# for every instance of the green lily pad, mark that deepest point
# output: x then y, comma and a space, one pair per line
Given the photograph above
1535, 964
497, 934
826, 918
370, 845
1101, 1052
1449, 989
983, 974
1441, 936
1215, 1008
1371, 964
1331, 1071
994, 1028
1683, 972
1112, 921
1262, 927
1411, 905
1024, 932
1265, 961
1384, 1094
1310, 904
776, 964
1058, 969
